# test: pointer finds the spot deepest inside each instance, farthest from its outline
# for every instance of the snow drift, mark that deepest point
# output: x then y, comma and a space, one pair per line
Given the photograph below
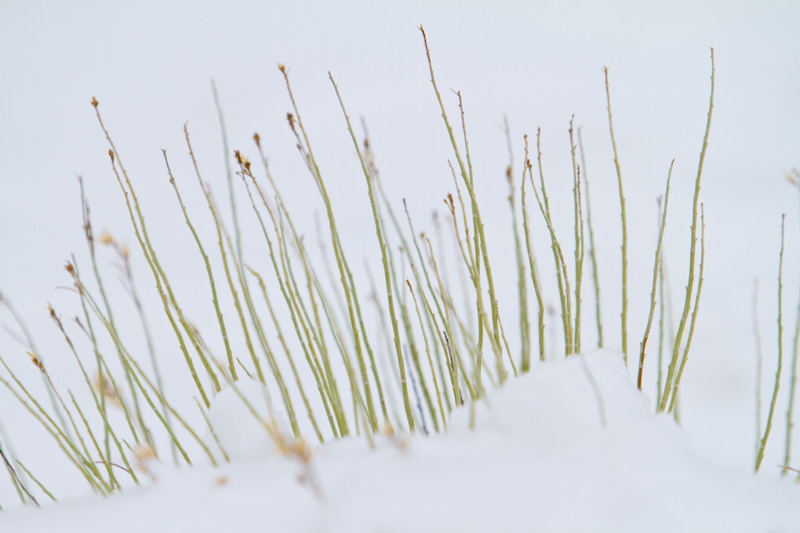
571, 446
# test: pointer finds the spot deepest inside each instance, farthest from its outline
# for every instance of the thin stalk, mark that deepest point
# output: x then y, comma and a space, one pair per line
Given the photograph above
124, 257
224, 256
288, 353
90, 240
229, 177
558, 257
268, 352
423, 427
19, 484
87, 227
624, 314
531, 256
592, 255
213, 432
524, 325
455, 355
760, 456
579, 240
38, 483
661, 320
666, 325
657, 263
314, 334
694, 313
214, 297
459, 397
112, 481
434, 331
101, 363
430, 359
795, 349
759, 364
692, 251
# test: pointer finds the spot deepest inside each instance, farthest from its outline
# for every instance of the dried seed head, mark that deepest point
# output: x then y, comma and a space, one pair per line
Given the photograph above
36, 361
95, 103
257, 139
125, 251
144, 456
451, 206
238, 156
69, 268
51, 310
106, 238
300, 450
398, 441
282, 68
111, 155
102, 385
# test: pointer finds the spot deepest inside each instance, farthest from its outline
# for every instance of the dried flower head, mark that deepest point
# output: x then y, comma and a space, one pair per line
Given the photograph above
106, 238
102, 385
144, 456
36, 361
399, 441
299, 450
451, 206
95, 103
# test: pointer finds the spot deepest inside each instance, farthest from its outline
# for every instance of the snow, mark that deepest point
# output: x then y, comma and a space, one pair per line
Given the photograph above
538, 459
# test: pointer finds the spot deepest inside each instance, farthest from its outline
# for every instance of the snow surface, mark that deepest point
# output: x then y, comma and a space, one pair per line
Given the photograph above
539, 459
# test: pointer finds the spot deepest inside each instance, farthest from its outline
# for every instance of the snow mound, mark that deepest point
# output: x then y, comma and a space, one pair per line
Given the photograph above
571, 446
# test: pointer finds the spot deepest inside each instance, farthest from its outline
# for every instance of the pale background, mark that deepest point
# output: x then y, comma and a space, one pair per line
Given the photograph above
150, 65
